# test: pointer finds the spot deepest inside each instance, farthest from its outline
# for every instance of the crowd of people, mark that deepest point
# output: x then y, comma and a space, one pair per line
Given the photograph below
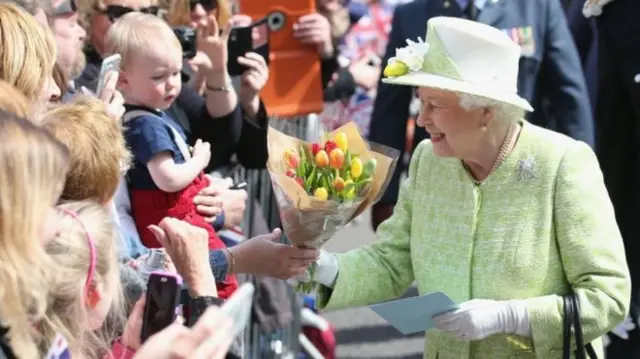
521, 187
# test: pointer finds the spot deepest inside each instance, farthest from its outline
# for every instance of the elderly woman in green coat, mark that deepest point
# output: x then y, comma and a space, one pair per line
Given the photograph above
503, 216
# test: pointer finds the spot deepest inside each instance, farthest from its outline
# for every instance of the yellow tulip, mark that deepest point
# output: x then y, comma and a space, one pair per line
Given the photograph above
341, 141
321, 193
356, 167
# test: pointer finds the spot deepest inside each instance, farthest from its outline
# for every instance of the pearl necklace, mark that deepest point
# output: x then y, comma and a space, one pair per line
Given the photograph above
502, 155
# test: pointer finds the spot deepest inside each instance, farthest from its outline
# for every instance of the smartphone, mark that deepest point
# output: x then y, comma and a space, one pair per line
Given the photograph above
109, 64
162, 303
238, 307
188, 40
252, 38
294, 87
242, 185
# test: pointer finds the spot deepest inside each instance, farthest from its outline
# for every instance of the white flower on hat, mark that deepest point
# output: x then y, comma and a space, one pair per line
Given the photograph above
408, 58
594, 7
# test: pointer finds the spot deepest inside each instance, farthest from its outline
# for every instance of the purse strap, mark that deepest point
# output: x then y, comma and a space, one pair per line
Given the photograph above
571, 319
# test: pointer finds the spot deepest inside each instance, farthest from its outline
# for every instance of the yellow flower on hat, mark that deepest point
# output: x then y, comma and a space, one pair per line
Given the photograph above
408, 58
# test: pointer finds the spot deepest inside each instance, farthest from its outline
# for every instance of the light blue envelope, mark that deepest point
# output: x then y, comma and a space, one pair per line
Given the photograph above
412, 315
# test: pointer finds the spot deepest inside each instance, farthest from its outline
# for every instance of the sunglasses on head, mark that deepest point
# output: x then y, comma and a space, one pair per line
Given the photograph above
114, 12
207, 5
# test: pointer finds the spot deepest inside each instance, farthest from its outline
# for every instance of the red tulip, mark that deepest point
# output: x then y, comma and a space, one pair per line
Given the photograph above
315, 148
330, 146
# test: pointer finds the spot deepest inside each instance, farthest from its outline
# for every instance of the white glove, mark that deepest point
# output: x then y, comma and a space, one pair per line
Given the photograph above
480, 318
325, 273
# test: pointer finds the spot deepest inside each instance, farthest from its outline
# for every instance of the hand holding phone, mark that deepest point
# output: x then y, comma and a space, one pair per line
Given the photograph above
109, 65
162, 301
245, 39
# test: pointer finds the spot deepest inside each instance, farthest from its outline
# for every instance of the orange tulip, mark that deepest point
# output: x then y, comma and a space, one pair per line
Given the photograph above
322, 159
291, 158
336, 158
338, 184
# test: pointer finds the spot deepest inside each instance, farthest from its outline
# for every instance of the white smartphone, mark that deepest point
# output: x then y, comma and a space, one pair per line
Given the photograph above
238, 307
109, 64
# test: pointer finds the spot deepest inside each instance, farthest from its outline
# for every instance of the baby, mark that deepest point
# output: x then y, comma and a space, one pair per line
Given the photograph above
165, 175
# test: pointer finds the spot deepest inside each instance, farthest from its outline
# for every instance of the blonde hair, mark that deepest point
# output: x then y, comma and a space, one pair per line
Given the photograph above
67, 313
33, 166
27, 51
179, 13
138, 33
98, 153
12, 100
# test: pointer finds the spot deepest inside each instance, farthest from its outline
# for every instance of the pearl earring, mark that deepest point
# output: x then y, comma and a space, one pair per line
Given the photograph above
484, 127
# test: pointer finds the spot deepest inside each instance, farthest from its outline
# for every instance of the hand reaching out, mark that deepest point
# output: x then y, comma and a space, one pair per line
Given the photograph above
111, 97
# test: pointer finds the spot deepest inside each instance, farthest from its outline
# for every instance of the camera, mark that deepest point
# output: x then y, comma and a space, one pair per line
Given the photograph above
187, 37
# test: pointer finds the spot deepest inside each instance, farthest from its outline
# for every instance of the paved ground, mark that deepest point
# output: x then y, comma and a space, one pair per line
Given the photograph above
361, 333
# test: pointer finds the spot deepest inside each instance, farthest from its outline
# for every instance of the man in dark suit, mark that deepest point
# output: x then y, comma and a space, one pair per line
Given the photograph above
550, 77
617, 122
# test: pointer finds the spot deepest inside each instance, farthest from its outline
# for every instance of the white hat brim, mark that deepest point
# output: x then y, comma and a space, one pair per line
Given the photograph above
422, 79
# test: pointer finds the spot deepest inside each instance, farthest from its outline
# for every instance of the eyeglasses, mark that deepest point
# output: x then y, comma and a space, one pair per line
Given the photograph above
207, 5
114, 12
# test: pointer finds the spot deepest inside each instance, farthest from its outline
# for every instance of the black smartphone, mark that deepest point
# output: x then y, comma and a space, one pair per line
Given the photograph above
188, 40
162, 303
253, 38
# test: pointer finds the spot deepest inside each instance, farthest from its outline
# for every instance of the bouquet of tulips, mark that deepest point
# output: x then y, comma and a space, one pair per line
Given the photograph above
321, 186
330, 171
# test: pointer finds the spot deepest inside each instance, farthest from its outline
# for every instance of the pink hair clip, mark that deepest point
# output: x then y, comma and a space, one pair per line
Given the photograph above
92, 248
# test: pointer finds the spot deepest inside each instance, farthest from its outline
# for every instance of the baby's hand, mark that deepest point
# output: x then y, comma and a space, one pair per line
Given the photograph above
202, 152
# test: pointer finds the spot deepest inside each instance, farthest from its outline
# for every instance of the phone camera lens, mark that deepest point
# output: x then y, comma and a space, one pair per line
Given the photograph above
276, 21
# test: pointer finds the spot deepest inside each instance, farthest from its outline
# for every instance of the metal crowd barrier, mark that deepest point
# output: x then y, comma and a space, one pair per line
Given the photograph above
284, 343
